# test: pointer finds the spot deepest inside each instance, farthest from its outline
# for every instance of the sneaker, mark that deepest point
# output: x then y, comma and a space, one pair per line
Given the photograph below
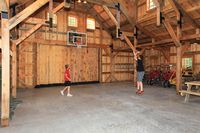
141, 92
137, 92
69, 95
62, 93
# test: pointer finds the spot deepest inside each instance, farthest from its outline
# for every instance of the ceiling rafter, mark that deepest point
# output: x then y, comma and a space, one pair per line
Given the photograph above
131, 21
185, 14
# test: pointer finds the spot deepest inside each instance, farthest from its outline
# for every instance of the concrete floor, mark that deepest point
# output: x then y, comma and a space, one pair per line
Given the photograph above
105, 108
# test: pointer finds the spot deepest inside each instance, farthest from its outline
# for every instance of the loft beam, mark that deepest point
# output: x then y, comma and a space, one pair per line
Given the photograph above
28, 33
26, 13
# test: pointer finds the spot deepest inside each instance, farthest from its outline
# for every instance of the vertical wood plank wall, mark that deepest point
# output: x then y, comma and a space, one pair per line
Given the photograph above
154, 58
40, 63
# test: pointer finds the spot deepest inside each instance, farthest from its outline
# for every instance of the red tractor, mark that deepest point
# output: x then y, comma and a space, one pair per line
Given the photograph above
155, 76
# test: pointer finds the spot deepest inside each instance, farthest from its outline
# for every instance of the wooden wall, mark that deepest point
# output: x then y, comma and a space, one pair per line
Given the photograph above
154, 58
41, 62
192, 51
142, 8
117, 65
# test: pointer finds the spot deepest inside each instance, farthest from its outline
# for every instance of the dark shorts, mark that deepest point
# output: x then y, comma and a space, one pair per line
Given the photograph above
140, 76
67, 83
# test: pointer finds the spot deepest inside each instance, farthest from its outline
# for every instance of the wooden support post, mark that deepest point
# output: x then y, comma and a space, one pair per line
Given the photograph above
4, 6
5, 42
100, 55
178, 69
14, 71
158, 12
50, 14
34, 68
135, 62
112, 66
198, 32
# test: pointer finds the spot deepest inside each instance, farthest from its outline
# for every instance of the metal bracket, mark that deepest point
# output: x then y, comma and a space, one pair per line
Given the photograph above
4, 15
161, 17
136, 33
118, 6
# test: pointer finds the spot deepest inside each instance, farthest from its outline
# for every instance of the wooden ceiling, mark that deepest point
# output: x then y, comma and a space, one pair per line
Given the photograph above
145, 20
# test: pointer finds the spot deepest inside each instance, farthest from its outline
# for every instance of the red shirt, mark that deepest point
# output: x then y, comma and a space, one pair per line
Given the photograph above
67, 75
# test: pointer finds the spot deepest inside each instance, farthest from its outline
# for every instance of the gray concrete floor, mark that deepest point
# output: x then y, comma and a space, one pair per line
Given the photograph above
105, 108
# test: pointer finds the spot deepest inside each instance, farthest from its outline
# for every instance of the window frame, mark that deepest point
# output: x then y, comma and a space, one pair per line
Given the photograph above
73, 16
90, 29
188, 56
148, 6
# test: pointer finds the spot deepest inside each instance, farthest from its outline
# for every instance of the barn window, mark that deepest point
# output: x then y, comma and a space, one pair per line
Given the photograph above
150, 4
91, 23
54, 18
187, 63
72, 21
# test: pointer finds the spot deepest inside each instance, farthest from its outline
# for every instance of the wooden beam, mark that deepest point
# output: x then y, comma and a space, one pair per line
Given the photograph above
5, 45
113, 19
14, 71
172, 33
174, 6
168, 41
58, 8
131, 21
32, 20
28, 33
110, 15
185, 14
194, 8
101, 2
63, 43
178, 69
4, 6
158, 11
135, 62
165, 53
26, 13
50, 14
129, 43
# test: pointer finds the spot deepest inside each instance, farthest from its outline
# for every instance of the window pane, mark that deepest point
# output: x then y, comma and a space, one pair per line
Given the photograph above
150, 4
90, 23
72, 21
187, 63
54, 18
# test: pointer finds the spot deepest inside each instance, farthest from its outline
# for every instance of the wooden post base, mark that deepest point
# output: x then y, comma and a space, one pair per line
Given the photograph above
4, 122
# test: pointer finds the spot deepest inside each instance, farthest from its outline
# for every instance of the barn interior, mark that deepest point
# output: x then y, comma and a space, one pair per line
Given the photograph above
97, 39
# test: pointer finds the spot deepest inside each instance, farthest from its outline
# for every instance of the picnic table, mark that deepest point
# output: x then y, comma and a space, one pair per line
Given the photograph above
189, 91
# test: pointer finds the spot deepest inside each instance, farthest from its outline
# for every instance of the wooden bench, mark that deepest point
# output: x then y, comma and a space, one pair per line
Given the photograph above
189, 92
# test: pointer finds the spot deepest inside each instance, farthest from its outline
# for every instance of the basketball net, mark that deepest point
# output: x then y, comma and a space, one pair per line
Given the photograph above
77, 44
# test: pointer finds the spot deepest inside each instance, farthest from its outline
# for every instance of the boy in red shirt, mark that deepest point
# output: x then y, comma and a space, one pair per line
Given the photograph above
67, 81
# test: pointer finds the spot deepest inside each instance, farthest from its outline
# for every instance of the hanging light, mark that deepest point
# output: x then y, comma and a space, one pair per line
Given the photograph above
79, 1
84, 1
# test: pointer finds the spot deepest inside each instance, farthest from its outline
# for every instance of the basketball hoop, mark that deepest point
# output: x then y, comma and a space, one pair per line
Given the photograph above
77, 44
76, 39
